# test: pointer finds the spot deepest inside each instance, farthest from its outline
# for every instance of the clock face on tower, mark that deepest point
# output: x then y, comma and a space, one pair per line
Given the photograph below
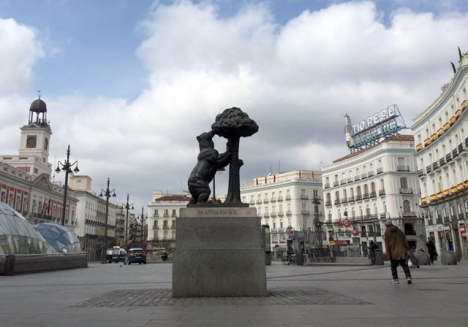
31, 142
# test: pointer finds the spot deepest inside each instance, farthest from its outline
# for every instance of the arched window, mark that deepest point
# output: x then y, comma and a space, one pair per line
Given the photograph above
406, 206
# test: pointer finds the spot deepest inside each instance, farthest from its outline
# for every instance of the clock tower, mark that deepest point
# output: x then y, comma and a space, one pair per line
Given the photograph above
34, 142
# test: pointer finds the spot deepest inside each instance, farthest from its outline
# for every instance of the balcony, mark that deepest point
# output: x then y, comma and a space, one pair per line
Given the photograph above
280, 213
405, 190
359, 197
288, 198
460, 148
365, 196
304, 197
289, 213
455, 153
343, 181
273, 200
266, 215
337, 202
273, 215
364, 176
351, 199
372, 194
448, 157
442, 162
379, 170
350, 180
335, 183
357, 178
252, 202
328, 203
381, 192
259, 201
402, 168
420, 172
327, 185
266, 201
371, 173
428, 169
305, 212
344, 200
280, 199
435, 165
409, 214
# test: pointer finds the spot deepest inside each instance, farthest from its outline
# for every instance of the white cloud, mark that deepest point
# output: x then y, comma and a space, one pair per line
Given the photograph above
19, 50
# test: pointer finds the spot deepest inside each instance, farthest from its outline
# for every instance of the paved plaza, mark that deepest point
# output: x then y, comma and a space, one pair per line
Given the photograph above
115, 295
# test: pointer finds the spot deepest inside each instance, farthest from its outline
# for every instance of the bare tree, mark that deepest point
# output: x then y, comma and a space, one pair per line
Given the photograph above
233, 124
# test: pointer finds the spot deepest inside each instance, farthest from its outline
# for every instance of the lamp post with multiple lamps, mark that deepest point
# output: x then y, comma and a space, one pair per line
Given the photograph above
127, 206
143, 218
66, 166
107, 193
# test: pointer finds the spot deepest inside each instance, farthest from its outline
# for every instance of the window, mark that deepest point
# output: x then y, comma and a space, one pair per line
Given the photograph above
166, 213
403, 182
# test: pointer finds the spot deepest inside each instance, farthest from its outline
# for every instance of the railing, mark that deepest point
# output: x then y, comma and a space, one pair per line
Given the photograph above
455, 153
357, 178
304, 197
379, 170
328, 203
344, 200
448, 157
381, 192
403, 168
259, 201
305, 212
266, 201
266, 215
327, 185
337, 202
343, 181
365, 196
359, 197
435, 165
373, 194
350, 180
428, 169
442, 161
335, 183
371, 173
273, 215
420, 172
288, 198
280, 213
288, 213
351, 199
364, 176
404, 190
280, 199
273, 200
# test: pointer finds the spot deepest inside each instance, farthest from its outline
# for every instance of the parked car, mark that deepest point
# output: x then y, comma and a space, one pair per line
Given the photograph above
136, 255
118, 255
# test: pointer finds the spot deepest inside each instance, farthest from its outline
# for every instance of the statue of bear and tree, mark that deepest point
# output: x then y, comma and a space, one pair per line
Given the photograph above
233, 124
209, 161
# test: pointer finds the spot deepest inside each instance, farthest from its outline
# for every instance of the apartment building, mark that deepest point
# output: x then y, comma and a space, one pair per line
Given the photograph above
365, 188
441, 152
287, 202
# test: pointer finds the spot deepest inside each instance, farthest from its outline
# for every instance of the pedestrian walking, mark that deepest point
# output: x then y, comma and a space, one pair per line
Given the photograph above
396, 246
431, 249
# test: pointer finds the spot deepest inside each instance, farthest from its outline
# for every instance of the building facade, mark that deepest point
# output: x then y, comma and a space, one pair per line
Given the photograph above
441, 135
365, 188
286, 202
162, 213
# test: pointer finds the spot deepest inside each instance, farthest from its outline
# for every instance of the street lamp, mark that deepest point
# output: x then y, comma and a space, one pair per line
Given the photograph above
67, 168
107, 194
127, 206
143, 217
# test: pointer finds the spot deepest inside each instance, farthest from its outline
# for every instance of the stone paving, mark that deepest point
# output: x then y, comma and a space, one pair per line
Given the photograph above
277, 296
114, 295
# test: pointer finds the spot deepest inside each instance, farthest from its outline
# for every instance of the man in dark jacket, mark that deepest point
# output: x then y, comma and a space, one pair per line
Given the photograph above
431, 249
396, 246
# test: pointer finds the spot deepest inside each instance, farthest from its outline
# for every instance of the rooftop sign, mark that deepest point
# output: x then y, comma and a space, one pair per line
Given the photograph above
383, 124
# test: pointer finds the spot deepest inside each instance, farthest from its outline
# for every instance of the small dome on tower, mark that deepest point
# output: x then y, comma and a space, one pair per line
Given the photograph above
38, 106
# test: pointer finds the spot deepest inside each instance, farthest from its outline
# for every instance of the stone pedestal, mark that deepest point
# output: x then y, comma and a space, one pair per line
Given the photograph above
219, 253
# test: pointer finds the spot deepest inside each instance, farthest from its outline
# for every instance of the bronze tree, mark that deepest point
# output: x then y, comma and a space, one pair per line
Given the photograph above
233, 124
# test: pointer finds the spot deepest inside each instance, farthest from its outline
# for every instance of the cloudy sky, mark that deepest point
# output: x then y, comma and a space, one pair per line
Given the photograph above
130, 84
